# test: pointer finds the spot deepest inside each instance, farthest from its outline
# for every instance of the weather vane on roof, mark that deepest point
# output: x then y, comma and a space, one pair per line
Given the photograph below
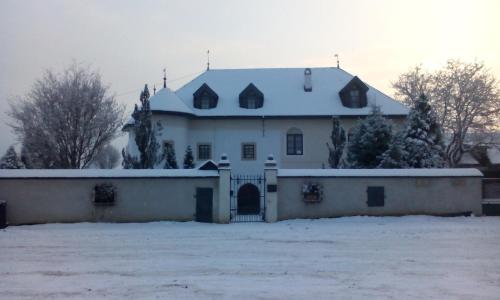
338, 63
208, 60
164, 78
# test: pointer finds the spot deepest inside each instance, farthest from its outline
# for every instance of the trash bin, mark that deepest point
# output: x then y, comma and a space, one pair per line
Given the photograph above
3, 214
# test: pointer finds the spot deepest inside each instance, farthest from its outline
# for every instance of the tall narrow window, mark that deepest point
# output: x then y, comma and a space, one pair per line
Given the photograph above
205, 102
248, 151
204, 151
294, 142
252, 102
355, 98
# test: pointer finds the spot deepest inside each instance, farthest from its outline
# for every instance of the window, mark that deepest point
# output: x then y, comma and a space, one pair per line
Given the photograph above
251, 102
355, 98
376, 196
205, 102
205, 98
248, 151
294, 142
251, 97
204, 151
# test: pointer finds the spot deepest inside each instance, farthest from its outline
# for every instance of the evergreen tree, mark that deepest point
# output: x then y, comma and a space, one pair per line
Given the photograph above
25, 158
394, 157
422, 137
129, 161
338, 143
145, 135
170, 159
369, 140
10, 160
188, 158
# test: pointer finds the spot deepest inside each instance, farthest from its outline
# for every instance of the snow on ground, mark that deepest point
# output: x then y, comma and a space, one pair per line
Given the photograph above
346, 258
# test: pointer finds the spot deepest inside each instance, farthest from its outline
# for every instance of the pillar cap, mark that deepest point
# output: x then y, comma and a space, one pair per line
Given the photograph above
270, 163
224, 162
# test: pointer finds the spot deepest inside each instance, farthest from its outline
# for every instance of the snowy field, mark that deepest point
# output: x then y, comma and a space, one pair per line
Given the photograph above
345, 258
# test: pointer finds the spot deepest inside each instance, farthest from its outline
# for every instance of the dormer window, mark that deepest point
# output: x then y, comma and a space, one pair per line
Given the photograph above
205, 98
353, 95
251, 97
251, 102
355, 99
205, 102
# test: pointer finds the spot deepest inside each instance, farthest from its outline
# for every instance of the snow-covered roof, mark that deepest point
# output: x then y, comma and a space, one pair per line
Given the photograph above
468, 159
465, 172
105, 173
284, 94
493, 155
167, 101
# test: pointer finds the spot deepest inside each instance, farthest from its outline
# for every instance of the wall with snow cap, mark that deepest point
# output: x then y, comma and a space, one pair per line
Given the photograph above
50, 196
408, 191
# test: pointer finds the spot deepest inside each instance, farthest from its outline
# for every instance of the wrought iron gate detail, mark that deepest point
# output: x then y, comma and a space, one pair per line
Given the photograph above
248, 203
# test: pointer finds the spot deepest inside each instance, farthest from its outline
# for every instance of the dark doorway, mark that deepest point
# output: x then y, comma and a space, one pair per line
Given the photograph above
204, 204
248, 200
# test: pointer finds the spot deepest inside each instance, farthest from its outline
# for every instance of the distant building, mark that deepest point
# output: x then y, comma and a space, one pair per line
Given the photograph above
486, 159
250, 113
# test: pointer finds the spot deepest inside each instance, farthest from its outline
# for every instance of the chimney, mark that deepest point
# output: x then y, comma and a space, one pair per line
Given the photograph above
307, 80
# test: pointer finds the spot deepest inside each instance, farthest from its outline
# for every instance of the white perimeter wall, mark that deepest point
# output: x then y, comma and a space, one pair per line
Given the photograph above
347, 196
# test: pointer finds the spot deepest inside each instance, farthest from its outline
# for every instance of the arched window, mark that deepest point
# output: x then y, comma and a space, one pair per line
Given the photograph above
294, 142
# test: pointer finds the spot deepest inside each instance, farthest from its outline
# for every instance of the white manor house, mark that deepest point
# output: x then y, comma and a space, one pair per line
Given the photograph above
251, 113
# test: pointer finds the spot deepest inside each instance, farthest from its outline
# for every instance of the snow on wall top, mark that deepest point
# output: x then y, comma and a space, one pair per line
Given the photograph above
284, 94
102, 173
380, 173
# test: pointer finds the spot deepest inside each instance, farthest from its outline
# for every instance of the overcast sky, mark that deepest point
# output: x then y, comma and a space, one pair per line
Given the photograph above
130, 42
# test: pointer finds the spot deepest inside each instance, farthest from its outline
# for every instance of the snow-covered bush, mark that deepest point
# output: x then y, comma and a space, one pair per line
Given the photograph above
10, 160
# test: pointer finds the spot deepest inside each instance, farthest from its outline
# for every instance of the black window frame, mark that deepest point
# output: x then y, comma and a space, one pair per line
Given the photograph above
244, 151
199, 151
292, 146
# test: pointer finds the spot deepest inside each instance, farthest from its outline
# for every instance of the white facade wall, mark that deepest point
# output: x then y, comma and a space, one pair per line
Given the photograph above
226, 135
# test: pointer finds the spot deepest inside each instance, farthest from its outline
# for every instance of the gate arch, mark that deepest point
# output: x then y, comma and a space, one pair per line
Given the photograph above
248, 199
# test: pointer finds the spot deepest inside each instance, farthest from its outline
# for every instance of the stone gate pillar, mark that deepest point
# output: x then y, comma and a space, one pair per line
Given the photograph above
271, 189
223, 208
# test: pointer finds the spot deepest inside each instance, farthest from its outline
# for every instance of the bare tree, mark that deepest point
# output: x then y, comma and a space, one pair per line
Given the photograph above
466, 99
66, 119
107, 158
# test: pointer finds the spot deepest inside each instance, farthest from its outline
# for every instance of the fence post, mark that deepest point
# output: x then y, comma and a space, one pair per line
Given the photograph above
223, 207
271, 189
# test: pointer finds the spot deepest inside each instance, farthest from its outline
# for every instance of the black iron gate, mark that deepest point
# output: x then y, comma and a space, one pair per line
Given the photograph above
248, 203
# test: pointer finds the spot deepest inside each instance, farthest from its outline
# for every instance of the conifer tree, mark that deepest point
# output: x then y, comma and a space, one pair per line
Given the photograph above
394, 157
369, 140
10, 160
170, 159
423, 145
145, 137
338, 143
188, 158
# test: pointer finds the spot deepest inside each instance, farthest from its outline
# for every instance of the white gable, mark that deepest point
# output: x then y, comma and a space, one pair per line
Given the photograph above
284, 94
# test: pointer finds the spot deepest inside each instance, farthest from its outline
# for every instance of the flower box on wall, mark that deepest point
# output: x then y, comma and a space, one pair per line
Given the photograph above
104, 194
312, 192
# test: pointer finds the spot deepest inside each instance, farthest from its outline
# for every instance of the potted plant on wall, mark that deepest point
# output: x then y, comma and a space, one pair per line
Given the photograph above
312, 192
